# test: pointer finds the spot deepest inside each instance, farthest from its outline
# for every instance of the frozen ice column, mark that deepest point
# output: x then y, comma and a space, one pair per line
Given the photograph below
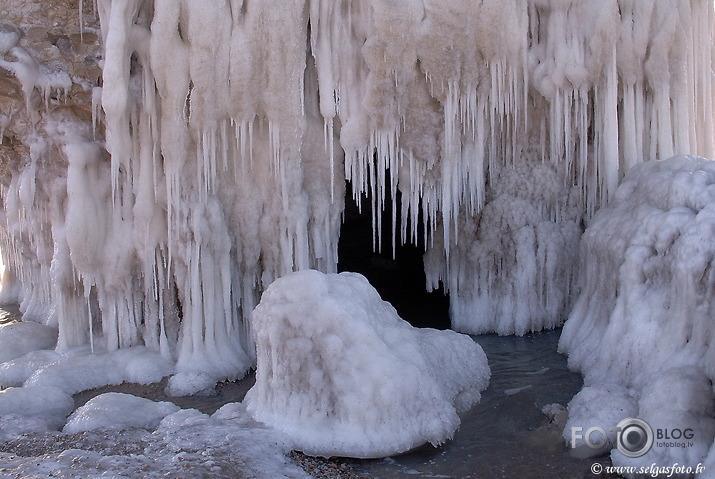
642, 325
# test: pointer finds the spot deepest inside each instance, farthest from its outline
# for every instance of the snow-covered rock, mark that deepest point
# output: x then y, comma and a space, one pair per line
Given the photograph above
83, 370
342, 375
32, 409
644, 319
18, 339
118, 411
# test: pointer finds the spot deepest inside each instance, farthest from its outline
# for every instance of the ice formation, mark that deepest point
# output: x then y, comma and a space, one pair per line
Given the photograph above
602, 406
342, 375
515, 262
642, 325
186, 444
117, 411
32, 409
80, 370
20, 338
223, 133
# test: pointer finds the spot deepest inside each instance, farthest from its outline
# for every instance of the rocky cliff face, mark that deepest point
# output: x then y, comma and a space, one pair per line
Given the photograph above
48, 69
50, 65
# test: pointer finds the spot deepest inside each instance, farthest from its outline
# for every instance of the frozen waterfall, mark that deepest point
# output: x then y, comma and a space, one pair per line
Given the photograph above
224, 132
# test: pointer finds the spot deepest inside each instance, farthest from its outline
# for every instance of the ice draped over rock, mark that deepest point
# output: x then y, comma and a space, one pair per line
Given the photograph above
641, 330
232, 125
341, 374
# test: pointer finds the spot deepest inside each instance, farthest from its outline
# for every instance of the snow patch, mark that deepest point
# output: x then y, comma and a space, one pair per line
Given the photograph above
18, 339
116, 411
36, 408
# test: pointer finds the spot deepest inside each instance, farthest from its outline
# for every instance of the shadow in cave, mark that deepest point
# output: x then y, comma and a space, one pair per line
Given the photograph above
400, 281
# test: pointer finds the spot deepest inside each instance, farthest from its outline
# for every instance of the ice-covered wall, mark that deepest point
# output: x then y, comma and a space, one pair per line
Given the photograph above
217, 160
641, 328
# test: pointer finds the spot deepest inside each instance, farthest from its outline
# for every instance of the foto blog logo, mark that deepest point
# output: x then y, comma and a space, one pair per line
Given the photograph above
634, 437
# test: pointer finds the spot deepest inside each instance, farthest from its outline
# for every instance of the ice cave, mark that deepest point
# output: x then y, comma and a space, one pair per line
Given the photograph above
189, 188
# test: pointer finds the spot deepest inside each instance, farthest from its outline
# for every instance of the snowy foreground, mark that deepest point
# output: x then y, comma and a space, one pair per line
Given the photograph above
641, 331
339, 373
186, 444
120, 435
343, 375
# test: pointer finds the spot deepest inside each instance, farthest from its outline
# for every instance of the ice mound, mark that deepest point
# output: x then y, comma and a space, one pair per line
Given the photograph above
342, 375
601, 406
18, 339
82, 371
14, 373
118, 411
32, 409
644, 319
188, 384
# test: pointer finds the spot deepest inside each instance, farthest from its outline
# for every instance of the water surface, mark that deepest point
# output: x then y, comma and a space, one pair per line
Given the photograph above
506, 435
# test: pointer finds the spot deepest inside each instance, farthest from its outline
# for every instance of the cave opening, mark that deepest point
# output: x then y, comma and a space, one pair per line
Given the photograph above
400, 280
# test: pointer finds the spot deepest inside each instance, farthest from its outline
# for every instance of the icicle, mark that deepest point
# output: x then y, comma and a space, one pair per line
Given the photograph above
330, 146
442, 106
96, 108
81, 21
610, 129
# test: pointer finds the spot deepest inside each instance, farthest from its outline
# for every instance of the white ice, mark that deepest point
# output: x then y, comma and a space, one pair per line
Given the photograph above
643, 320
9, 36
231, 127
342, 375
18, 339
79, 369
84, 370
116, 411
513, 268
37, 408
598, 406
186, 444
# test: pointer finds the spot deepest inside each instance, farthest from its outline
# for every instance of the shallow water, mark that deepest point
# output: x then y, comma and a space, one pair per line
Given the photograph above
506, 434
9, 313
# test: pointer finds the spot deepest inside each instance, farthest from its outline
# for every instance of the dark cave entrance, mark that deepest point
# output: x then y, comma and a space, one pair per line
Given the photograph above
400, 281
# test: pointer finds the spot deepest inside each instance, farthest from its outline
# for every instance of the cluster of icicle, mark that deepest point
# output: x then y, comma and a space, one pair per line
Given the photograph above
232, 125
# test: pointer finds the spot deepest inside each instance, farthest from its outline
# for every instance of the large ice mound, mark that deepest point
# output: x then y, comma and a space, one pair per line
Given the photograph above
643, 323
342, 375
